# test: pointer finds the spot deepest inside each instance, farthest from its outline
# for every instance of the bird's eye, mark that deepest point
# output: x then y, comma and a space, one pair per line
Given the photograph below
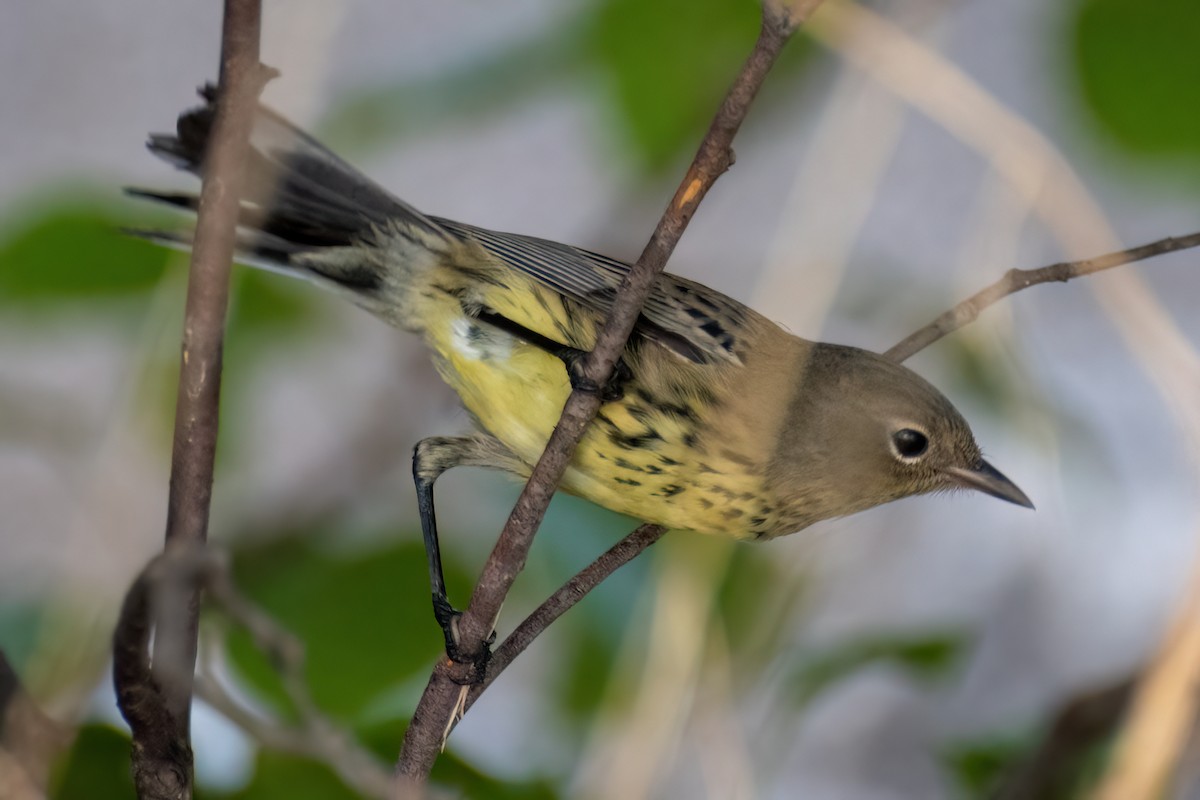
910, 443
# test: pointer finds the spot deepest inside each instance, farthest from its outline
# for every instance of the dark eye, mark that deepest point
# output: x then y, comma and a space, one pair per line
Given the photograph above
910, 443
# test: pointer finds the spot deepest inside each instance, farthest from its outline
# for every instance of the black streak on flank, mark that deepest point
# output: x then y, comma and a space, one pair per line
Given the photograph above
670, 490
637, 442
628, 481
676, 410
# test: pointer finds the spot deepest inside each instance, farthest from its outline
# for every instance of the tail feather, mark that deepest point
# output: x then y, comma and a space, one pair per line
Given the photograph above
299, 199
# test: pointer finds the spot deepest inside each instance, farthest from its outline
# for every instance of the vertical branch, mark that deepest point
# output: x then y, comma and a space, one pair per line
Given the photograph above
168, 684
447, 689
195, 439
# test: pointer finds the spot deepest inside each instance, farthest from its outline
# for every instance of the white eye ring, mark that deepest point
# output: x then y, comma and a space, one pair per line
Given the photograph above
910, 444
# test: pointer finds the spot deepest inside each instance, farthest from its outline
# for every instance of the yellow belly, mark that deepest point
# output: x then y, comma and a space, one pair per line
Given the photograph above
637, 458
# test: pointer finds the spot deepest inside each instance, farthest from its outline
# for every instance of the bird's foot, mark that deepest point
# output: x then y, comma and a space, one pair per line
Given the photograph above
612, 390
447, 618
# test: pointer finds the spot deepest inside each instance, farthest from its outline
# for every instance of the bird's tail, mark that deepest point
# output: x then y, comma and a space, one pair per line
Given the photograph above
305, 211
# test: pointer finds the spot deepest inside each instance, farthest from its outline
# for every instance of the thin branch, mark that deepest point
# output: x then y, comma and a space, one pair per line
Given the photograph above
335, 748
1017, 279
563, 599
195, 439
316, 736
442, 700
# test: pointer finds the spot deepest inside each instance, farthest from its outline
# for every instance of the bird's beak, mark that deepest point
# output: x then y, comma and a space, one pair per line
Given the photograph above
989, 480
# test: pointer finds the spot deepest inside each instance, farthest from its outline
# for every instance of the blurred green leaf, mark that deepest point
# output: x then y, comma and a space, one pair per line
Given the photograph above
265, 304
452, 771
979, 767
669, 63
755, 602
280, 775
75, 250
926, 657
364, 618
1139, 66
589, 666
97, 765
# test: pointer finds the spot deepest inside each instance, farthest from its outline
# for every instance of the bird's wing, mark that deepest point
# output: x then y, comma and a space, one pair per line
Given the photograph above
696, 322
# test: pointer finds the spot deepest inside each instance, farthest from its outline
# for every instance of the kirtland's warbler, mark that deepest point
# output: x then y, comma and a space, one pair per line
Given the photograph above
718, 420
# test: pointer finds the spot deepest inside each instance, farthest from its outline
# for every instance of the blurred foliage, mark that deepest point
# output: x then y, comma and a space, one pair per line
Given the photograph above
377, 116
980, 767
19, 626
75, 250
1139, 66
364, 618
665, 66
755, 605
669, 63
925, 657
97, 765
995, 766
452, 771
282, 775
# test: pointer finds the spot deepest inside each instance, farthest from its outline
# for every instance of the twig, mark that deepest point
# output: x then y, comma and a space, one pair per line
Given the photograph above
444, 694
316, 736
323, 741
563, 599
1017, 279
194, 446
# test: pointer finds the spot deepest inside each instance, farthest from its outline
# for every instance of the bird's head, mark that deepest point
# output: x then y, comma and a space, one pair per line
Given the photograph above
863, 430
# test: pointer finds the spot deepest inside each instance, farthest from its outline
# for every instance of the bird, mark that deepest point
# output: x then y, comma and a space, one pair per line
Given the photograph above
717, 421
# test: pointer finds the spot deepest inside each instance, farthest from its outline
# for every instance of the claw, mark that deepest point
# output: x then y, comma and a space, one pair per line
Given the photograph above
447, 617
614, 387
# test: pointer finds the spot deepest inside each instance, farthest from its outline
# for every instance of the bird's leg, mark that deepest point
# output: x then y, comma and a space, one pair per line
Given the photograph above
572, 358
432, 457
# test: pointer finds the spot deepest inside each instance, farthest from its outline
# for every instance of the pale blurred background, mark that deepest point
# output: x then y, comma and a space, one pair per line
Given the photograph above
898, 160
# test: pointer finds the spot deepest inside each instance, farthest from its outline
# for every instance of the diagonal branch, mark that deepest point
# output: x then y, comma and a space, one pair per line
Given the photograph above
1017, 279
445, 693
316, 735
563, 599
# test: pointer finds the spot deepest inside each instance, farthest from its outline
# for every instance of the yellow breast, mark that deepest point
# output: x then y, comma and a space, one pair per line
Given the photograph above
646, 455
